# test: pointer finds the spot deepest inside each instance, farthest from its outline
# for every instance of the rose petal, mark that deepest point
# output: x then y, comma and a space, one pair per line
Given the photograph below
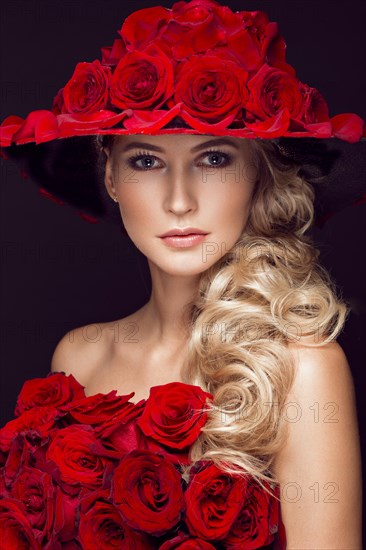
39, 126
8, 128
152, 120
68, 123
206, 127
272, 127
347, 126
320, 129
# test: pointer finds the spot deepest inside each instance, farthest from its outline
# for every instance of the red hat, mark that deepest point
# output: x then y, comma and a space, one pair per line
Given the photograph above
197, 68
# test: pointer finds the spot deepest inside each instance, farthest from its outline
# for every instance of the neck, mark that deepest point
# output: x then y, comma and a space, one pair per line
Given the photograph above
164, 317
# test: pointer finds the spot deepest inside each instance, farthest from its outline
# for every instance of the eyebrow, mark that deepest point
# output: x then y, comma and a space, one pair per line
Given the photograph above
219, 141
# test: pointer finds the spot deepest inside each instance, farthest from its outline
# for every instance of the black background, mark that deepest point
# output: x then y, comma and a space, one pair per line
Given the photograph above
59, 272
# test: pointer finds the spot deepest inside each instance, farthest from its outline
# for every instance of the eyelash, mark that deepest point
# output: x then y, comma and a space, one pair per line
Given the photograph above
143, 154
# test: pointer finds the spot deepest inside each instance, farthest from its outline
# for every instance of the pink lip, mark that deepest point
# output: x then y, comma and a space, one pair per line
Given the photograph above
183, 231
183, 241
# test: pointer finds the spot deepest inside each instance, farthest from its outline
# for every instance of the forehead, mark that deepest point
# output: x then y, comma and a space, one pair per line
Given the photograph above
184, 143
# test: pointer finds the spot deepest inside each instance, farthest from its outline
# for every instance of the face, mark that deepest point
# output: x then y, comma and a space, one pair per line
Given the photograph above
167, 182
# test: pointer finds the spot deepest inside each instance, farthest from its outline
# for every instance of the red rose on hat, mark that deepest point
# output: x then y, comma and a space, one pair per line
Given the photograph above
174, 414
213, 502
272, 91
197, 11
112, 54
315, 107
58, 105
257, 521
195, 27
53, 391
211, 87
147, 490
266, 38
141, 80
87, 89
136, 35
102, 526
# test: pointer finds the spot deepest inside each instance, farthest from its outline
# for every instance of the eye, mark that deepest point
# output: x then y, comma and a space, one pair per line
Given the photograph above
146, 158
148, 161
217, 158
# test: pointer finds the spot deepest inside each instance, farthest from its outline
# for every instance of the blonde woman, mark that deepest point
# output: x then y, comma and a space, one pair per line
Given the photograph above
226, 418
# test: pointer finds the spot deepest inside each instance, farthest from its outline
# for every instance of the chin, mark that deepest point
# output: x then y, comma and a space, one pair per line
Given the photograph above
187, 266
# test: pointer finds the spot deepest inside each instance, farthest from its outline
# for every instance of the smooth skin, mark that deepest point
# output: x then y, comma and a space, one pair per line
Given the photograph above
185, 183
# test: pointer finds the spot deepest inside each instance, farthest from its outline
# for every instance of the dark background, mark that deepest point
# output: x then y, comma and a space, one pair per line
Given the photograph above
59, 272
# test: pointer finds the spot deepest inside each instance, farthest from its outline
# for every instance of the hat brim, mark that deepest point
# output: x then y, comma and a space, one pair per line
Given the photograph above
68, 171
335, 168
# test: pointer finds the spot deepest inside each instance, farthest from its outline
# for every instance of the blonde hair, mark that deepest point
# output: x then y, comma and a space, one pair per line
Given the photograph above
267, 290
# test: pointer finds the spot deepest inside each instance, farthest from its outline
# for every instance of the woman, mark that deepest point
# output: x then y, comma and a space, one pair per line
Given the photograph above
243, 317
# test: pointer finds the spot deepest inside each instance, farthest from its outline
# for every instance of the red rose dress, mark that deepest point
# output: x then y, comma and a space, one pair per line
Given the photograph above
101, 472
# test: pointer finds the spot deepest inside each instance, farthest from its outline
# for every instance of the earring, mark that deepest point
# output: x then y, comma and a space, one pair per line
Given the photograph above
115, 199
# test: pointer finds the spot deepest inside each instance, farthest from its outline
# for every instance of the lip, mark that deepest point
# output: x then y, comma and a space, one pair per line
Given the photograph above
184, 241
179, 231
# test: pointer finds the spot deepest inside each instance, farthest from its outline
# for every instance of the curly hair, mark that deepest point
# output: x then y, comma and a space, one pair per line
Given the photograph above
265, 292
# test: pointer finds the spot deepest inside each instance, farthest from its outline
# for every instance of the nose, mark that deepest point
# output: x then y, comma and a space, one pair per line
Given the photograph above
180, 196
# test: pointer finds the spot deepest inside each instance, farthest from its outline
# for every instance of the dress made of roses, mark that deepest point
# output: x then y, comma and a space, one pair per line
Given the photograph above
101, 472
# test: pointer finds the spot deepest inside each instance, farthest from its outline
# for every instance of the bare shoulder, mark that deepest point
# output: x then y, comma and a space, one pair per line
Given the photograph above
319, 466
81, 350
321, 369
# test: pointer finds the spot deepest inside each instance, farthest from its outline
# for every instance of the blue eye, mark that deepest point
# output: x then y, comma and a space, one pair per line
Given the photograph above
132, 161
218, 159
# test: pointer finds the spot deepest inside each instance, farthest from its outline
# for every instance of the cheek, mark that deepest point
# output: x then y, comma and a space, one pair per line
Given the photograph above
232, 203
137, 206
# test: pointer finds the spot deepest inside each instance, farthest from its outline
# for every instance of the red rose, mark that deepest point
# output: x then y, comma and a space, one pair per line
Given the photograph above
87, 89
35, 490
174, 414
101, 409
58, 105
315, 107
19, 455
138, 35
53, 391
197, 11
112, 54
65, 527
36, 424
213, 502
273, 90
117, 438
193, 29
184, 541
142, 81
180, 41
267, 44
257, 522
175, 456
102, 526
147, 490
72, 452
16, 531
211, 87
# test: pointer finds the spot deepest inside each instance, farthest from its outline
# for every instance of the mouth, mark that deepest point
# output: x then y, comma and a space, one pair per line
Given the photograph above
184, 241
178, 232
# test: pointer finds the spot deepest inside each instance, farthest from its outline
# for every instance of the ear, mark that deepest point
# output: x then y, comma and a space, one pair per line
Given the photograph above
108, 173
